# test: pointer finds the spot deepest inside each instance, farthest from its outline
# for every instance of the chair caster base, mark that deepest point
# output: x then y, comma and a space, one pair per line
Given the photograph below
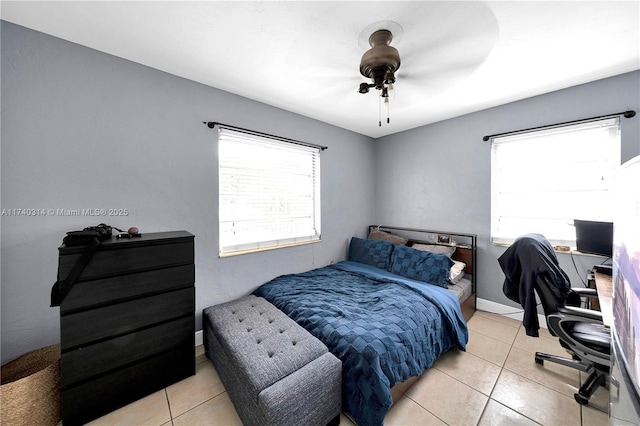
581, 399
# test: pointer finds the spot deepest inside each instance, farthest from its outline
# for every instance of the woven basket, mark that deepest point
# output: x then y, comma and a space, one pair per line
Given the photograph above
30, 391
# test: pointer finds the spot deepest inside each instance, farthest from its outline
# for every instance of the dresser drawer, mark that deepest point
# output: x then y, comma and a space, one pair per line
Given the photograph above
95, 398
110, 260
90, 294
86, 327
95, 360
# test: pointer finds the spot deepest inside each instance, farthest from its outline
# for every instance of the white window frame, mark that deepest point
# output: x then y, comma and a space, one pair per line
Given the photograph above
544, 179
269, 192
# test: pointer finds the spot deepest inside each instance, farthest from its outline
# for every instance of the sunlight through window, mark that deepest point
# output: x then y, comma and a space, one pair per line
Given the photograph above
541, 181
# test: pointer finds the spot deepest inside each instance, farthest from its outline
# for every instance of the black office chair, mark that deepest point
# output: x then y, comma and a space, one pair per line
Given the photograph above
530, 265
582, 333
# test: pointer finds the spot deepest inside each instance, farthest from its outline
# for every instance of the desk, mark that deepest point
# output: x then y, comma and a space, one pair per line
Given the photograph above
605, 291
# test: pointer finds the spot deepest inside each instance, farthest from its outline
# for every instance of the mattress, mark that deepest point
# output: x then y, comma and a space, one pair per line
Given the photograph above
462, 289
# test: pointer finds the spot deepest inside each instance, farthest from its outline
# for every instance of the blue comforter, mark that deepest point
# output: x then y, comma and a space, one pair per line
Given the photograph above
384, 328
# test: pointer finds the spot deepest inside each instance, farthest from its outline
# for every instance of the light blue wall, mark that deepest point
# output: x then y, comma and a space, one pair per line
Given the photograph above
82, 129
439, 176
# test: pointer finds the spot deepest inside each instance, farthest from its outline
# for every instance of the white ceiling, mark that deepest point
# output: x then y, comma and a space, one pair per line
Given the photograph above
304, 56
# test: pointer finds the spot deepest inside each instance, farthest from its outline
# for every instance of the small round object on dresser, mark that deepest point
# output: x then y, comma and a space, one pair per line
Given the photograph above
133, 230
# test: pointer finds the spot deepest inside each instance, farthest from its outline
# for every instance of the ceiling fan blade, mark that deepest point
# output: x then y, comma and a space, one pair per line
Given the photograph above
461, 37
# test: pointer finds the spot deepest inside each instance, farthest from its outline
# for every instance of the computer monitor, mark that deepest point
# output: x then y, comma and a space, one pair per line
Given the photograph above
594, 237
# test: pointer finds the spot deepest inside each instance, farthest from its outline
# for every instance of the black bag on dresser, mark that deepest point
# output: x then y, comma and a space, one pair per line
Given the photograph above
91, 237
87, 235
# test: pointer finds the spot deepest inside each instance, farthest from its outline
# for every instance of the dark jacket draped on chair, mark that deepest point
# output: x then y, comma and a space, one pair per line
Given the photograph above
530, 258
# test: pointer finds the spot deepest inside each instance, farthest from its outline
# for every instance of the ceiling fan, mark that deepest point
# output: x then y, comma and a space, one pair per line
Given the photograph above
438, 45
380, 64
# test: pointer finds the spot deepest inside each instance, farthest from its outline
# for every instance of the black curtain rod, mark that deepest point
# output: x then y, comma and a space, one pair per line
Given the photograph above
212, 124
626, 114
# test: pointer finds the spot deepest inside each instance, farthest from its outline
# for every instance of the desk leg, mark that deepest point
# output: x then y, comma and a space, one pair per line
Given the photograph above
593, 302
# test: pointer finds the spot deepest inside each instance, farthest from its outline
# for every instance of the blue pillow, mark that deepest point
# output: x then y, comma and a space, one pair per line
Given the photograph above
371, 252
432, 268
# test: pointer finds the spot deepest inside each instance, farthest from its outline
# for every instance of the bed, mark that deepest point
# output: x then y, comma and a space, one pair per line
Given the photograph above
388, 312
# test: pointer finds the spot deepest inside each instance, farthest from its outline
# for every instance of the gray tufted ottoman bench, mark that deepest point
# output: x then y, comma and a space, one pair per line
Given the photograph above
276, 373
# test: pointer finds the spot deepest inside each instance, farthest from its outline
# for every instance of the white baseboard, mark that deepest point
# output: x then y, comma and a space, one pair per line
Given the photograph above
506, 310
199, 340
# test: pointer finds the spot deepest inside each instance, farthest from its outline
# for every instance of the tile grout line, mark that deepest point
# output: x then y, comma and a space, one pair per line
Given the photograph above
459, 381
502, 369
424, 408
198, 405
166, 394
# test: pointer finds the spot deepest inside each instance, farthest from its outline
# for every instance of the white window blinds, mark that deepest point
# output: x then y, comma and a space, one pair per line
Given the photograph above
542, 180
269, 192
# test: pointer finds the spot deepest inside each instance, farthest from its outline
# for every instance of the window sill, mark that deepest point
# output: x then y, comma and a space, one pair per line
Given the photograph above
261, 249
570, 251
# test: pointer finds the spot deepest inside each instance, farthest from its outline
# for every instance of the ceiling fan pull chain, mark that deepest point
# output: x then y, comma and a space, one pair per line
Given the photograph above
386, 100
379, 112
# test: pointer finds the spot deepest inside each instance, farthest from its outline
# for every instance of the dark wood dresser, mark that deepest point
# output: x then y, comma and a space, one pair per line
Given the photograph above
127, 327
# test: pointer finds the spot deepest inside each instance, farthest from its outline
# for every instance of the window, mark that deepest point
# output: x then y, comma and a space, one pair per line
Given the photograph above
542, 180
269, 192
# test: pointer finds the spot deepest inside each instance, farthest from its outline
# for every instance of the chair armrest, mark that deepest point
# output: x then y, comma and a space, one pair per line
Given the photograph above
585, 292
581, 312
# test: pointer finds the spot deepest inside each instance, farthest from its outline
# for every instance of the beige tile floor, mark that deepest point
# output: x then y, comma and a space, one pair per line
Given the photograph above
495, 382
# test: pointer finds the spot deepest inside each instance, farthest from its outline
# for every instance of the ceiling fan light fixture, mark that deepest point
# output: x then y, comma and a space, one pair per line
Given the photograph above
389, 78
380, 64
391, 91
